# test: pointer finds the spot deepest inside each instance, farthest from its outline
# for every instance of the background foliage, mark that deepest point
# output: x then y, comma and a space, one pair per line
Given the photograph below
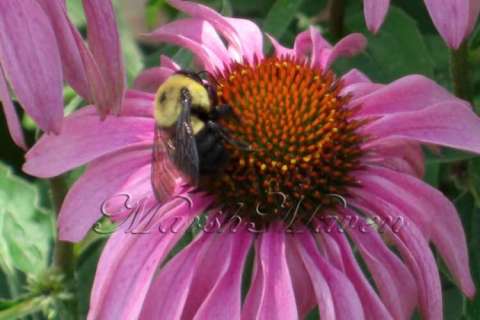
408, 43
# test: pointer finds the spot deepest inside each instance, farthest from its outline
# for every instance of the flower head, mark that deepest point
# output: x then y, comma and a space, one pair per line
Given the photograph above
326, 150
453, 19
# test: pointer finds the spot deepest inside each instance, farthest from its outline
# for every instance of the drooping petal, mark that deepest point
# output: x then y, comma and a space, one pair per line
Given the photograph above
84, 139
413, 247
375, 12
31, 62
170, 289
13, 123
243, 34
304, 293
451, 17
371, 303
271, 295
345, 298
436, 216
212, 268
129, 261
409, 93
394, 281
224, 300
101, 182
315, 281
449, 124
104, 43
73, 69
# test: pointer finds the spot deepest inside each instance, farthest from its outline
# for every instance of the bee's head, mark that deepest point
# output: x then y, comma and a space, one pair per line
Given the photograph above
212, 93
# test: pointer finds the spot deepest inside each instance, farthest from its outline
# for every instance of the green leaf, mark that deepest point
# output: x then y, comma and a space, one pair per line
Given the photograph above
26, 229
447, 156
133, 58
280, 16
398, 49
76, 13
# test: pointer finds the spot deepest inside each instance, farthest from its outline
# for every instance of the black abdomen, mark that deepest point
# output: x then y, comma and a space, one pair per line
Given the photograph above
211, 150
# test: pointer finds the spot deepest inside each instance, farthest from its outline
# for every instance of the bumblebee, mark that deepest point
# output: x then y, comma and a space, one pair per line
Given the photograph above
186, 109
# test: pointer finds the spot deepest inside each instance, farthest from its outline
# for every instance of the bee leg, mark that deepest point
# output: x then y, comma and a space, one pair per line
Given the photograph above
224, 134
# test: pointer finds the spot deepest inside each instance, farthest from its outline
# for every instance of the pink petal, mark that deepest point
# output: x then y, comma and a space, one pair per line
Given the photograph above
199, 31
169, 291
358, 90
191, 34
166, 62
449, 124
354, 76
414, 249
371, 303
345, 298
436, 216
375, 12
211, 270
224, 300
304, 293
397, 151
84, 139
104, 43
271, 295
409, 93
151, 79
129, 261
346, 47
101, 182
280, 51
250, 37
72, 63
310, 42
315, 280
450, 18
243, 34
392, 278
13, 123
30, 59
474, 11
82, 70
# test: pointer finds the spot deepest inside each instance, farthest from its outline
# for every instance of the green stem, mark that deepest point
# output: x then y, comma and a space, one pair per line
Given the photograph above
460, 68
24, 308
63, 254
337, 18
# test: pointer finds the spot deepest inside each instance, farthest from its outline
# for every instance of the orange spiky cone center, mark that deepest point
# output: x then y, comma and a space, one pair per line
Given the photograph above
304, 140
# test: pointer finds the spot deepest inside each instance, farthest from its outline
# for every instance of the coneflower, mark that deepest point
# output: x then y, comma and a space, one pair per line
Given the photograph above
335, 175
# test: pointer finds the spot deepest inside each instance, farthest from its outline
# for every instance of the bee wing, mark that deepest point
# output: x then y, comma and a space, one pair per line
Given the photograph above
185, 155
165, 175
